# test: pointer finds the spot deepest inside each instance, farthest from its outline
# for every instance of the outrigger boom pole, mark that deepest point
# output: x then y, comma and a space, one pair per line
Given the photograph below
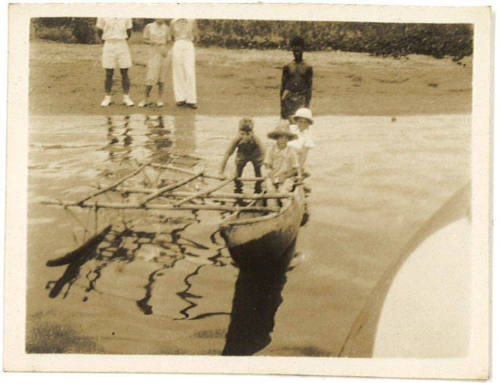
125, 206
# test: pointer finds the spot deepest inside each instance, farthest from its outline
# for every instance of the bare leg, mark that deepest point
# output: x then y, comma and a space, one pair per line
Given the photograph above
108, 83
258, 185
271, 189
125, 80
240, 165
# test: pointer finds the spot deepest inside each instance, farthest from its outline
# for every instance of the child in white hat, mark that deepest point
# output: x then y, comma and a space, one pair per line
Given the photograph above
302, 120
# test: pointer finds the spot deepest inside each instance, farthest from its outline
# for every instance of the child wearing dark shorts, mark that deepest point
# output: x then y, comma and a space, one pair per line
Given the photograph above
248, 148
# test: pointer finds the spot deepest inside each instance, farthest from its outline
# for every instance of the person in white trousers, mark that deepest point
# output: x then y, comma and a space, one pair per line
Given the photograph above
185, 34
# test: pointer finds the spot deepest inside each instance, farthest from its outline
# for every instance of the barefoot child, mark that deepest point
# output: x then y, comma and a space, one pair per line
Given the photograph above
157, 36
302, 120
248, 149
281, 161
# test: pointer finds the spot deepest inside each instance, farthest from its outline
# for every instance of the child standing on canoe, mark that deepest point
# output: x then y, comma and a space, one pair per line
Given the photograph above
281, 161
248, 149
302, 120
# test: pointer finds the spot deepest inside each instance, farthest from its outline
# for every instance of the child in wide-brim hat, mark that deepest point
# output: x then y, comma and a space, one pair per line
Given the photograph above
282, 131
281, 161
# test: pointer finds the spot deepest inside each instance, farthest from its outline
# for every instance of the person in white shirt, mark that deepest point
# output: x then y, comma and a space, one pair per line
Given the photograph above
302, 120
185, 34
157, 36
115, 31
281, 162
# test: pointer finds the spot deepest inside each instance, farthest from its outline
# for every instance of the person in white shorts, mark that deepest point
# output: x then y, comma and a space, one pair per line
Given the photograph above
157, 36
115, 31
185, 34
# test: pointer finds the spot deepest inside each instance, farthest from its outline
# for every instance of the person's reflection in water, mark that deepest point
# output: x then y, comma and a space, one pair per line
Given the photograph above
185, 140
256, 299
159, 141
119, 139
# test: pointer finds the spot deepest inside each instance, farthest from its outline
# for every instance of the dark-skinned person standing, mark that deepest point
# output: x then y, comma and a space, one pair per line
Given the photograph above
296, 81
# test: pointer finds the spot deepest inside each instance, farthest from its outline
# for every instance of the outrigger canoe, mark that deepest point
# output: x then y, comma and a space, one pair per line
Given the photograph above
252, 232
264, 237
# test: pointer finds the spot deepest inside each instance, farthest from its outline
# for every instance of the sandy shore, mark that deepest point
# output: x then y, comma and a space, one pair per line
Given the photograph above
68, 79
376, 181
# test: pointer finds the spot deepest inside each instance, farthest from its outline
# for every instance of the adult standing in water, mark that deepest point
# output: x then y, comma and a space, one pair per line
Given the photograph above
296, 81
185, 34
115, 31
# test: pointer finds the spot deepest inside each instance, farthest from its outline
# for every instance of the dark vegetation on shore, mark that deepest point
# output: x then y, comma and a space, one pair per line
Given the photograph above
384, 39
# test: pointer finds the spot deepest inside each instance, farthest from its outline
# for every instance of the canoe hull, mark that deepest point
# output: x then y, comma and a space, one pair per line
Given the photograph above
268, 239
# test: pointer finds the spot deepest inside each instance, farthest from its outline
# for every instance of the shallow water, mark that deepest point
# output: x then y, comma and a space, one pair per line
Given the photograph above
162, 284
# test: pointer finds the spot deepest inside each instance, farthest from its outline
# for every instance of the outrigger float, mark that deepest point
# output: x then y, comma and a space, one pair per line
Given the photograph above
252, 232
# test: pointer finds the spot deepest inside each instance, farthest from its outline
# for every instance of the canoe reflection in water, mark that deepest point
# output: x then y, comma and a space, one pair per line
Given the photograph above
257, 290
257, 296
114, 246
160, 263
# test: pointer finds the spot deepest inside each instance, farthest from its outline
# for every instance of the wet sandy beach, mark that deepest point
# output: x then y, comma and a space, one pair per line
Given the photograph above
167, 286
67, 79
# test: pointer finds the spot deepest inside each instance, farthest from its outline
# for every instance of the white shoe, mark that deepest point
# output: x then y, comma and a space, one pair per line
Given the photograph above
106, 101
143, 103
127, 100
160, 103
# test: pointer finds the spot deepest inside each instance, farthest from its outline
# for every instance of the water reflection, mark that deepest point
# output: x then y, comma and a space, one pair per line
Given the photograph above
257, 290
217, 260
163, 247
185, 140
75, 260
159, 138
64, 159
150, 259
119, 139
257, 296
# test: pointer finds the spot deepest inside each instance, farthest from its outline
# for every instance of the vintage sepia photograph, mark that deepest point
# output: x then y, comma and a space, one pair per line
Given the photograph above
288, 190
